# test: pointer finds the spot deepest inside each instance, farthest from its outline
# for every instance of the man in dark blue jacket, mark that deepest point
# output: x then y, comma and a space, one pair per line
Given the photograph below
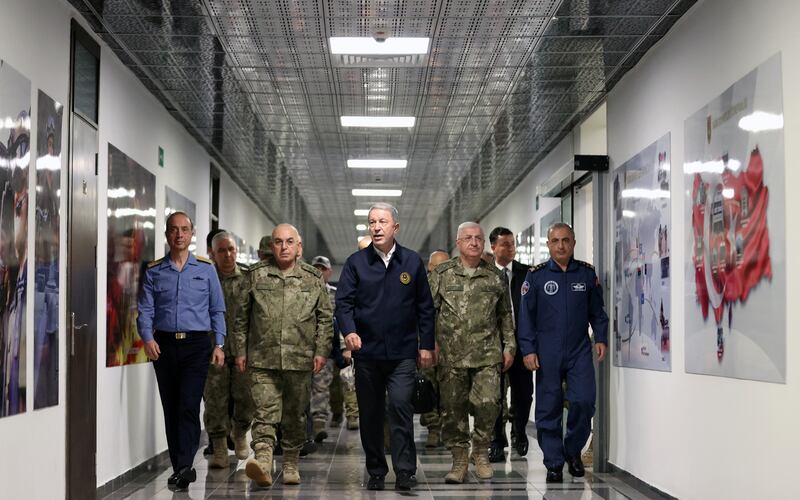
560, 299
385, 312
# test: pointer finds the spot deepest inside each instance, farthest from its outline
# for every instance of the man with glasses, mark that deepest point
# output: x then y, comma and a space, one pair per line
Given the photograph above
475, 335
181, 301
384, 310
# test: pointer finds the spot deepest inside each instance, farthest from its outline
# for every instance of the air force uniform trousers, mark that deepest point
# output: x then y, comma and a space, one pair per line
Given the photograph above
556, 310
178, 309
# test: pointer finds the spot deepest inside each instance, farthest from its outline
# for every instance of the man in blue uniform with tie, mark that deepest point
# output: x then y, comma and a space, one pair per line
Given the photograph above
180, 302
560, 299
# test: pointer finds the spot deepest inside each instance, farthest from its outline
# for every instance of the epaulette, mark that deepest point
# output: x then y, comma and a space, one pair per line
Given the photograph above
585, 264
494, 268
444, 266
154, 262
243, 267
257, 265
311, 269
205, 260
538, 267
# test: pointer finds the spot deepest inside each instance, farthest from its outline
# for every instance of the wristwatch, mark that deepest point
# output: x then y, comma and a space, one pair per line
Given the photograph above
220, 346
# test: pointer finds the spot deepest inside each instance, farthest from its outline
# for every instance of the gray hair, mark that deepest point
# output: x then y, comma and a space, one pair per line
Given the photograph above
388, 207
467, 225
224, 235
560, 225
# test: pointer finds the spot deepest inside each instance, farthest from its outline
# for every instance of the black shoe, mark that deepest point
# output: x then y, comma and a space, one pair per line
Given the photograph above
231, 445
186, 476
521, 446
555, 475
375, 483
575, 466
308, 448
496, 453
405, 481
336, 420
278, 450
172, 479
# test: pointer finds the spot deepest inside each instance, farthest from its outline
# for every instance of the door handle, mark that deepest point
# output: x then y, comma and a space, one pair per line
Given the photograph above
73, 328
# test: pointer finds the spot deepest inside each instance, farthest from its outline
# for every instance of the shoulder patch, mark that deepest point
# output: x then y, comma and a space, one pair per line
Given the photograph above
585, 264
444, 266
538, 267
309, 268
205, 260
154, 262
243, 267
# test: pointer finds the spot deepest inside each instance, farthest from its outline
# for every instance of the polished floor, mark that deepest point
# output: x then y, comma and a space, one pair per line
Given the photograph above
336, 471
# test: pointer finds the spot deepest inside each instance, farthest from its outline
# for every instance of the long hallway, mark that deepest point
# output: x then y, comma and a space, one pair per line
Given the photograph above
336, 471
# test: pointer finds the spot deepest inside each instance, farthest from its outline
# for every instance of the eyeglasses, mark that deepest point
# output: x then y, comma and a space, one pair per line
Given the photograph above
470, 239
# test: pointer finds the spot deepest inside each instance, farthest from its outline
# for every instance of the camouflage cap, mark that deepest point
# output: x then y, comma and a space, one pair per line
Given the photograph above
321, 260
265, 245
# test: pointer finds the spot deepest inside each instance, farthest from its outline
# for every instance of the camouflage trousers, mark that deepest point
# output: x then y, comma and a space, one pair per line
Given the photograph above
223, 386
280, 397
342, 393
432, 419
468, 390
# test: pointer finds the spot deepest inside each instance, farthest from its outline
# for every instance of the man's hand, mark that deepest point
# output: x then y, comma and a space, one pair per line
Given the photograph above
508, 360
217, 357
352, 341
241, 363
347, 354
531, 362
601, 351
319, 362
425, 358
151, 350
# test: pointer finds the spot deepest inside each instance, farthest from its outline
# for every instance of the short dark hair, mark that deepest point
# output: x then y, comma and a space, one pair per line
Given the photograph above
210, 237
497, 232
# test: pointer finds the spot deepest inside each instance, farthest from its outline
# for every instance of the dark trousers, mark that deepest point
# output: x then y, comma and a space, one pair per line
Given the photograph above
373, 380
578, 372
181, 372
521, 381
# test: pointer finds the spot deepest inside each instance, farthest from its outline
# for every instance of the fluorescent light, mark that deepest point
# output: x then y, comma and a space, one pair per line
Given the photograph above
629, 214
368, 45
759, 121
361, 212
378, 121
377, 192
361, 227
377, 163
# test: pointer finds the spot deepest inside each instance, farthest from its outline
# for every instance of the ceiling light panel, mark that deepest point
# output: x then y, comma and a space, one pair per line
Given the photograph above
378, 192
378, 121
377, 163
369, 46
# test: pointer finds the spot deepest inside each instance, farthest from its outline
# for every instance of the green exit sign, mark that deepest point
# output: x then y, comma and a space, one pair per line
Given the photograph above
160, 156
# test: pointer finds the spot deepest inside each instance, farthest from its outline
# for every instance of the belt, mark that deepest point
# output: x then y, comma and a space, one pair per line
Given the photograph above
179, 335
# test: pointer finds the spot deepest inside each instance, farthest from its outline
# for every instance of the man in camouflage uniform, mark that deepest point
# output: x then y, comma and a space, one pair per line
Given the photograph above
226, 382
282, 335
432, 420
320, 385
473, 315
265, 248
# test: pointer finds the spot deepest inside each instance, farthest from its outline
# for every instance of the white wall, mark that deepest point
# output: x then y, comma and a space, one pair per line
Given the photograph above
696, 436
35, 41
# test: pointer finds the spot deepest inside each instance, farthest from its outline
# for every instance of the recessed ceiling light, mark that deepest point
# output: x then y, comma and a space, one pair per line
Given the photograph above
377, 192
378, 121
361, 212
377, 163
368, 45
361, 227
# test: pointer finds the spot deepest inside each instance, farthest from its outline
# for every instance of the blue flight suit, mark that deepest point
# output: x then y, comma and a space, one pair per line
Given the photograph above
556, 309
178, 309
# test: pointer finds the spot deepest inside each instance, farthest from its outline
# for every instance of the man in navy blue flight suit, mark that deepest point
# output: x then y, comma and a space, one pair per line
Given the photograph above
560, 299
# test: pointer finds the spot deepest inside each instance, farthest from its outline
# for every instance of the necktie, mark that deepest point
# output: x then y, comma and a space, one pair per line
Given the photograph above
507, 275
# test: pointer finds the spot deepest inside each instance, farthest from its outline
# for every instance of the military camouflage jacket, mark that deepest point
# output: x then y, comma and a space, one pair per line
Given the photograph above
286, 319
473, 315
234, 289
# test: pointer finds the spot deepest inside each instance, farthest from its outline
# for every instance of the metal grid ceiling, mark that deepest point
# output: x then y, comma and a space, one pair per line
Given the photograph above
503, 82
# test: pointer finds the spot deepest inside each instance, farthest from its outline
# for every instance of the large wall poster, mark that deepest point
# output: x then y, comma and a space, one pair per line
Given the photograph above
642, 227
735, 210
176, 202
131, 244
15, 140
48, 201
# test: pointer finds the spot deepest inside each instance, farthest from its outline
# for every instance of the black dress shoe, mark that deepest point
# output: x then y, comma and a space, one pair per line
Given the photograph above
521, 446
308, 448
171, 479
405, 481
186, 476
575, 466
375, 483
496, 453
555, 476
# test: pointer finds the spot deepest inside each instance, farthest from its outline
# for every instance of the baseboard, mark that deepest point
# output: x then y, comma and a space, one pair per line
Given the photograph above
148, 465
637, 483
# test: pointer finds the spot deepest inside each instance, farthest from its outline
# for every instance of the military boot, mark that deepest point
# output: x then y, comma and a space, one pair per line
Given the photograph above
219, 460
291, 474
434, 437
483, 468
259, 469
458, 473
319, 431
240, 445
352, 423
